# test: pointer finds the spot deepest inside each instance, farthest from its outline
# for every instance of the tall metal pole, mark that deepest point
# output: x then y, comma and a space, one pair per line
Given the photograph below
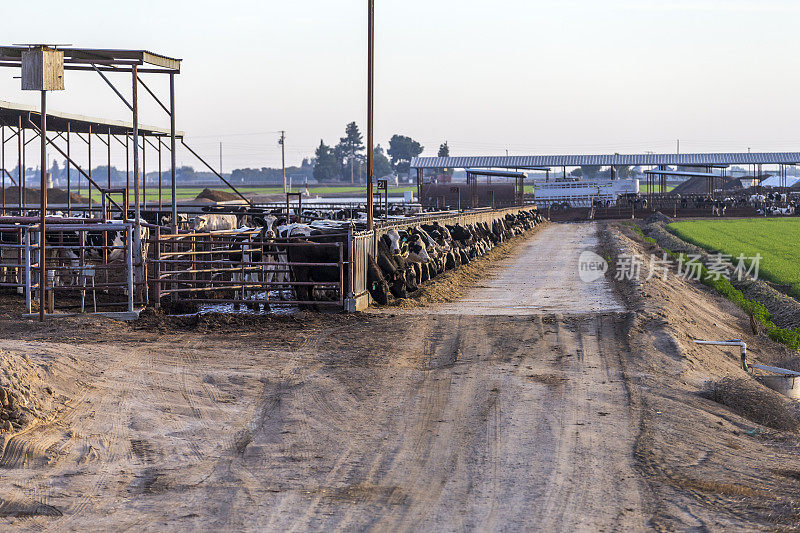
283, 160
370, 94
172, 151
108, 145
22, 164
69, 172
3, 165
89, 181
42, 206
127, 173
137, 235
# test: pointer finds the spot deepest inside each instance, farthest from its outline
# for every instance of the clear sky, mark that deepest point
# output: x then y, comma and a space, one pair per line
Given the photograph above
527, 76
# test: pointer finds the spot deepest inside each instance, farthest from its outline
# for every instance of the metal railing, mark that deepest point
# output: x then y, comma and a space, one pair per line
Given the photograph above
83, 259
362, 246
239, 267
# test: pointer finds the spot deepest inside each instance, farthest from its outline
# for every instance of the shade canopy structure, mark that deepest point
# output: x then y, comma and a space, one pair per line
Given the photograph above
549, 161
498, 173
681, 173
103, 59
10, 114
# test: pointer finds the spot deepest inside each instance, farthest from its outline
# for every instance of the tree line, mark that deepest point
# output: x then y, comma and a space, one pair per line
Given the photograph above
347, 161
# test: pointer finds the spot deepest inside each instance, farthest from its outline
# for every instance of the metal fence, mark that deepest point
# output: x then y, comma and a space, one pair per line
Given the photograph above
362, 246
87, 265
240, 267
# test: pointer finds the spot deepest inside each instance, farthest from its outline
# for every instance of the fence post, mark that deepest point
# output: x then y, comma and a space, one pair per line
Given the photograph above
28, 271
157, 272
129, 264
350, 303
341, 274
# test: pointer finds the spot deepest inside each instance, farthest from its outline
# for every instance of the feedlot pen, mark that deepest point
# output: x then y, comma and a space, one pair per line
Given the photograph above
88, 266
92, 266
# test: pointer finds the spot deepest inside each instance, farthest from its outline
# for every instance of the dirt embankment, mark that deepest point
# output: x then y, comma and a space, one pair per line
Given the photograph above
216, 195
25, 395
718, 448
54, 196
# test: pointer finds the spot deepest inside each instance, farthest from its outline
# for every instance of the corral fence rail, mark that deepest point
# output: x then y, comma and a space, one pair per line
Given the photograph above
240, 267
83, 260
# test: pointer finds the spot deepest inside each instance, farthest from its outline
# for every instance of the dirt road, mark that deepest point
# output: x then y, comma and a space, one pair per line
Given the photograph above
454, 421
541, 278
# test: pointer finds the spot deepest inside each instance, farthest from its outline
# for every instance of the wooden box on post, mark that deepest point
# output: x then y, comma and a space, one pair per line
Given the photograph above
42, 69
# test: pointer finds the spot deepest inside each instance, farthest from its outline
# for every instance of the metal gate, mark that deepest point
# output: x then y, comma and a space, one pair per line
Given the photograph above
88, 266
239, 267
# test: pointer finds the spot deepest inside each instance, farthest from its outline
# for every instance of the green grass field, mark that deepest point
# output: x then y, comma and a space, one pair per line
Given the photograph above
188, 193
644, 188
776, 241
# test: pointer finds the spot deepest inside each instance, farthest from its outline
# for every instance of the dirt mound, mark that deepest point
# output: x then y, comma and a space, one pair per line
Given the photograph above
658, 217
151, 319
216, 196
54, 196
697, 185
755, 402
24, 393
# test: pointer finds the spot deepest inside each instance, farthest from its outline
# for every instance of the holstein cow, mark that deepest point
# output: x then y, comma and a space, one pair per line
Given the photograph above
307, 262
208, 223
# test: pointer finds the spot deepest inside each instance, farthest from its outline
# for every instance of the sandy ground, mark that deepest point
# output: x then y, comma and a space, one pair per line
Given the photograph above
514, 417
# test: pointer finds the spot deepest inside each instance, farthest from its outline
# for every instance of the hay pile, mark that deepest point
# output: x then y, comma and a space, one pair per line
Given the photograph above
216, 196
756, 402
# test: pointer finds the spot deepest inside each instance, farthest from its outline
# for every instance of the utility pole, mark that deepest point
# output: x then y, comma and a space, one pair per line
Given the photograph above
282, 142
370, 94
679, 146
220, 158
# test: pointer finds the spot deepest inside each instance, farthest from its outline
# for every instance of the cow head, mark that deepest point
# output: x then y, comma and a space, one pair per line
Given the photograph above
417, 250
268, 225
396, 241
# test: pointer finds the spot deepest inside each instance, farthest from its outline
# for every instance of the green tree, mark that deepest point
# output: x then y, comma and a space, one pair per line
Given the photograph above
326, 167
590, 171
444, 151
402, 149
381, 164
623, 172
350, 151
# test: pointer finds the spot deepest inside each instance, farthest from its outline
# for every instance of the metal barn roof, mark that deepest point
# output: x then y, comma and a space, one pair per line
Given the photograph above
501, 173
10, 114
79, 58
682, 173
698, 160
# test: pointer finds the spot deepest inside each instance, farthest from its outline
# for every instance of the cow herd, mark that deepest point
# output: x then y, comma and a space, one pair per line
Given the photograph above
301, 260
407, 258
771, 203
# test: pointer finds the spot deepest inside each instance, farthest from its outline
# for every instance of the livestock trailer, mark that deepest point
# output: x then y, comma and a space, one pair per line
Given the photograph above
583, 193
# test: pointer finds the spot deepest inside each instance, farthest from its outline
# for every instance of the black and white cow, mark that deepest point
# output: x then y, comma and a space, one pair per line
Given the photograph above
208, 223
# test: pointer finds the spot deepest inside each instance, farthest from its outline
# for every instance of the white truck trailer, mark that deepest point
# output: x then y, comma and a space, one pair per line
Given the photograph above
566, 194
